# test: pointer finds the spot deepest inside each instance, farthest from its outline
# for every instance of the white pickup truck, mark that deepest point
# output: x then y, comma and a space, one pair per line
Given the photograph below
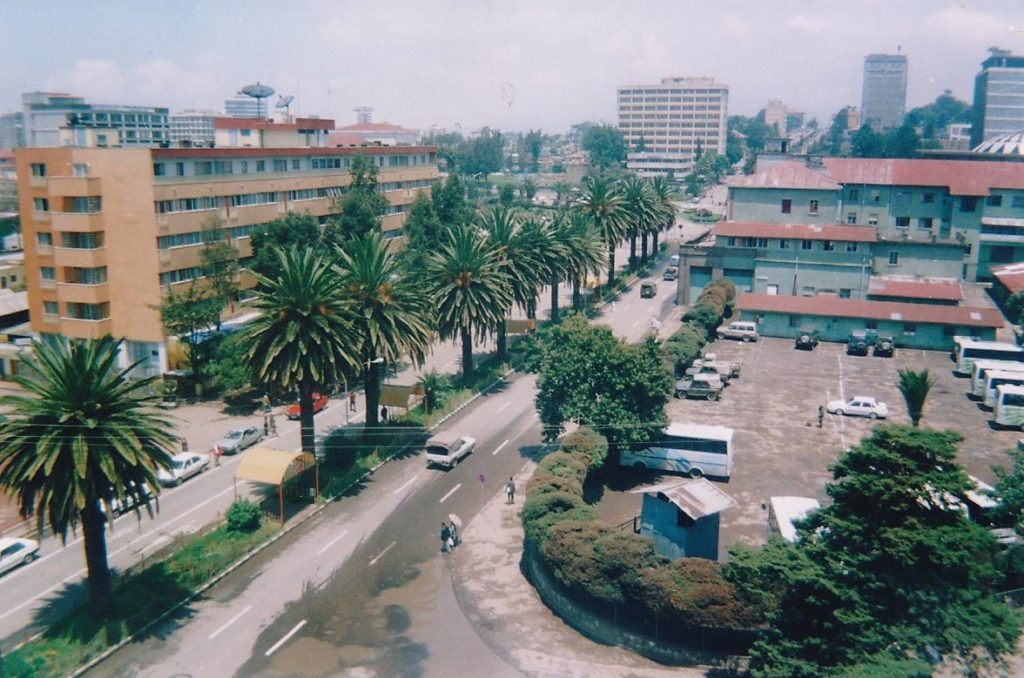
447, 452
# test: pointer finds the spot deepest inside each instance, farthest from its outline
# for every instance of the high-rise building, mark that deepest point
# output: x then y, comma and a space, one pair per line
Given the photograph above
12, 130
665, 124
998, 96
245, 107
192, 128
884, 96
109, 231
64, 120
776, 116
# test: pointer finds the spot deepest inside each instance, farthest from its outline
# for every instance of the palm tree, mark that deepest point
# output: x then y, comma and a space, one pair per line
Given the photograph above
548, 254
468, 289
601, 203
915, 386
389, 314
639, 203
585, 252
304, 337
81, 436
665, 209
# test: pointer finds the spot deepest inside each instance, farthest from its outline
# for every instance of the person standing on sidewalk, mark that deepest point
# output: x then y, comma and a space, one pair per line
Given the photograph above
216, 454
351, 401
510, 491
446, 535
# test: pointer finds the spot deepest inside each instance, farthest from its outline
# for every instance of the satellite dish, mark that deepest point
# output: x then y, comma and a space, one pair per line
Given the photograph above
259, 93
284, 101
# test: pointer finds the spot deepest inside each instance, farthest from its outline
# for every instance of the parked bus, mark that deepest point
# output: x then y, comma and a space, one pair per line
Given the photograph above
1009, 409
980, 370
995, 379
692, 449
784, 511
971, 350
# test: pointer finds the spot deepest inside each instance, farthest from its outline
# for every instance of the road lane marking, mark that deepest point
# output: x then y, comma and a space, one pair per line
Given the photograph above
406, 484
450, 493
230, 622
381, 554
635, 324
331, 543
498, 448
174, 519
284, 640
504, 407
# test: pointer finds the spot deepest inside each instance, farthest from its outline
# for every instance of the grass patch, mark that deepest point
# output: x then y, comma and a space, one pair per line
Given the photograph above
139, 599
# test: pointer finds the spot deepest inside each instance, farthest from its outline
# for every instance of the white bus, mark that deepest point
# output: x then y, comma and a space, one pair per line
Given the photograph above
971, 350
784, 511
995, 379
1009, 409
692, 449
980, 370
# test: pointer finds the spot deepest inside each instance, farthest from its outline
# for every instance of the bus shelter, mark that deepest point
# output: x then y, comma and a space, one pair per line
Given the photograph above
275, 467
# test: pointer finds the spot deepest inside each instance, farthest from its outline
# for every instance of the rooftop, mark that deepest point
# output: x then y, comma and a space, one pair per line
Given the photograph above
834, 307
944, 289
838, 232
373, 128
1010, 275
959, 177
785, 175
254, 123
695, 498
173, 153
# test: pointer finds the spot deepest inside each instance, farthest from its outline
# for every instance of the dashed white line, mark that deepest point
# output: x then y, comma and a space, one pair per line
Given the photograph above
229, 622
381, 554
331, 543
450, 493
406, 484
284, 640
635, 324
498, 448
504, 407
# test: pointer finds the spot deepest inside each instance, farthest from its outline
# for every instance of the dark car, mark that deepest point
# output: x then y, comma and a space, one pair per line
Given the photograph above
807, 339
885, 347
857, 344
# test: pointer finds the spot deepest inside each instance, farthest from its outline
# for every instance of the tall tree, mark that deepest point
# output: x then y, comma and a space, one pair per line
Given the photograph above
449, 200
82, 435
362, 205
220, 263
914, 387
601, 202
389, 314
664, 207
187, 315
549, 251
585, 252
291, 230
639, 204
468, 289
486, 153
423, 232
304, 336
606, 146
867, 143
533, 142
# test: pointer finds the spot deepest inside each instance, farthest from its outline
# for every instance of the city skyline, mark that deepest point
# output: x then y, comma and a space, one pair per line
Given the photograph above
512, 66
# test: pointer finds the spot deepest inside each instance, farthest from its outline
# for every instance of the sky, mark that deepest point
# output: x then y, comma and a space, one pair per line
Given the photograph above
507, 64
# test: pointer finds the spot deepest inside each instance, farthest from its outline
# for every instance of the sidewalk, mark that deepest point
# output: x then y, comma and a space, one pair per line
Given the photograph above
509, 616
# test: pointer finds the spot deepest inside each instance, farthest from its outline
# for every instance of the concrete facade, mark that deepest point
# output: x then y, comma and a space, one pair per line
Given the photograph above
884, 94
998, 96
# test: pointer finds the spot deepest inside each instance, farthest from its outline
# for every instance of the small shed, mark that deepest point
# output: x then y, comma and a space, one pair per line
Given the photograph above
275, 467
682, 517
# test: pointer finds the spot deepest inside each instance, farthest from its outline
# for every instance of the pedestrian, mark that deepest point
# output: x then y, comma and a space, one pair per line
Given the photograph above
454, 530
266, 402
446, 536
821, 415
216, 454
184, 445
383, 414
273, 426
351, 401
510, 491
266, 426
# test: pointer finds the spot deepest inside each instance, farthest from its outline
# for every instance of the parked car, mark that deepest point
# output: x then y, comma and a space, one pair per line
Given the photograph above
857, 344
132, 500
720, 369
446, 453
807, 339
671, 273
183, 467
740, 329
237, 439
319, 403
711, 357
15, 551
648, 290
704, 386
885, 347
859, 406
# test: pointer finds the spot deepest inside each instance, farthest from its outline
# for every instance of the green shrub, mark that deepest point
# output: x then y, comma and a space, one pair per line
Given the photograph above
542, 511
244, 516
543, 483
588, 445
564, 465
704, 315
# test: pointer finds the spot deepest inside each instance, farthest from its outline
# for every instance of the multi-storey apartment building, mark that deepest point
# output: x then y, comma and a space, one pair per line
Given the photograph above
192, 128
48, 118
665, 124
108, 231
884, 95
998, 97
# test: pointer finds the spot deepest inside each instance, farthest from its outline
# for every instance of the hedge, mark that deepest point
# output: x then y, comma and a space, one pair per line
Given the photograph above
699, 324
614, 567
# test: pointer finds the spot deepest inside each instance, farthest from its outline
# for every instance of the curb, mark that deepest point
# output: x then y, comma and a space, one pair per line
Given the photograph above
100, 658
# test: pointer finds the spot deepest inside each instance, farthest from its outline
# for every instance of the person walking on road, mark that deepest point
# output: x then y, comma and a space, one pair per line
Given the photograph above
821, 415
216, 455
351, 401
510, 491
273, 426
446, 536
184, 445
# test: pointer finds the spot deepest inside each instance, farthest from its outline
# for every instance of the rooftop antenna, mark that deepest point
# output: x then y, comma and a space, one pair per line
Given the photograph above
284, 101
259, 93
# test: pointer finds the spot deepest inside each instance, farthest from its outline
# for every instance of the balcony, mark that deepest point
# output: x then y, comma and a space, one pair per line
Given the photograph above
74, 186
85, 329
81, 222
79, 258
84, 294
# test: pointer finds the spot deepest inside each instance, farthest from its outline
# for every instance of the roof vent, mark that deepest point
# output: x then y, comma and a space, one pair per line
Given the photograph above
975, 315
895, 316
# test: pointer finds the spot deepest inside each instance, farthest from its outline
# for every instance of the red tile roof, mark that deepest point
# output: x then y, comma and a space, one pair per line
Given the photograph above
830, 306
255, 123
960, 177
786, 175
6, 155
841, 232
944, 289
1011, 276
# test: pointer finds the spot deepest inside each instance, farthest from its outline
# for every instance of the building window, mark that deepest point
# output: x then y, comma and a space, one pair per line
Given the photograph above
296, 164
812, 207
179, 169
876, 196
79, 169
47, 273
41, 204
1018, 201
871, 324
783, 244
730, 241
83, 205
806, 244
968, 203
994, 200
808, 291
851, 218
924, 222
851, 247
261, 165
894, 258
38, 169
902, 222
50, 310
101, 140
85, 276
844, 292
762, 242
872, 220
787, 205
829, 246
81, 241
909, 329
81, 311
159, 169
853, 193
44, 240
928, 198
280, 165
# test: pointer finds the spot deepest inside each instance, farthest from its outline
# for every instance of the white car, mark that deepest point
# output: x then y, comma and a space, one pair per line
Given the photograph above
237, 439
15, 552
446, 453
183, 467
117, 507
859, 406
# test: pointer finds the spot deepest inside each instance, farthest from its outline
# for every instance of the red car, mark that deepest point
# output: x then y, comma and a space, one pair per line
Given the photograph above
319, 403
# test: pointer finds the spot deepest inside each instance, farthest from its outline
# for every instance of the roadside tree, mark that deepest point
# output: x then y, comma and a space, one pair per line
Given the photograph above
606, 146
220, 264
585, 254
362, 205
602, 204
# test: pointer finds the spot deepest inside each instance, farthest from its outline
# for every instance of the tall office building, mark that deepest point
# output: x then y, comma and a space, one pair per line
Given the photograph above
65, 120
12, 130
998, 96
664, 124
245, 107
884, 96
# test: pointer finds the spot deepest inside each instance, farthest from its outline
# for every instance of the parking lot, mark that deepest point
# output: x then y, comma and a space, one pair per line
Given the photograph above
779, 448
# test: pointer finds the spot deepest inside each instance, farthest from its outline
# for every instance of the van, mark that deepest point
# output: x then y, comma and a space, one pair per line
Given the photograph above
674, 260
648, 290
741, 329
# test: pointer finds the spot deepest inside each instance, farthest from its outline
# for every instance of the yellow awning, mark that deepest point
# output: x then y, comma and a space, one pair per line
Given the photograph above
395, 395
264, 465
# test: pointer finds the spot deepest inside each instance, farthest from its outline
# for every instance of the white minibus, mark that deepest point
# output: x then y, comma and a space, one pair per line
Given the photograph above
997, 378
784, 511
980, 370
971, 350
692, 449
1009, 409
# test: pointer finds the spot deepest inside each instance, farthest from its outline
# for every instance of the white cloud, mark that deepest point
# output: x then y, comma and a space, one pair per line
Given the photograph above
808, 24
969, 29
